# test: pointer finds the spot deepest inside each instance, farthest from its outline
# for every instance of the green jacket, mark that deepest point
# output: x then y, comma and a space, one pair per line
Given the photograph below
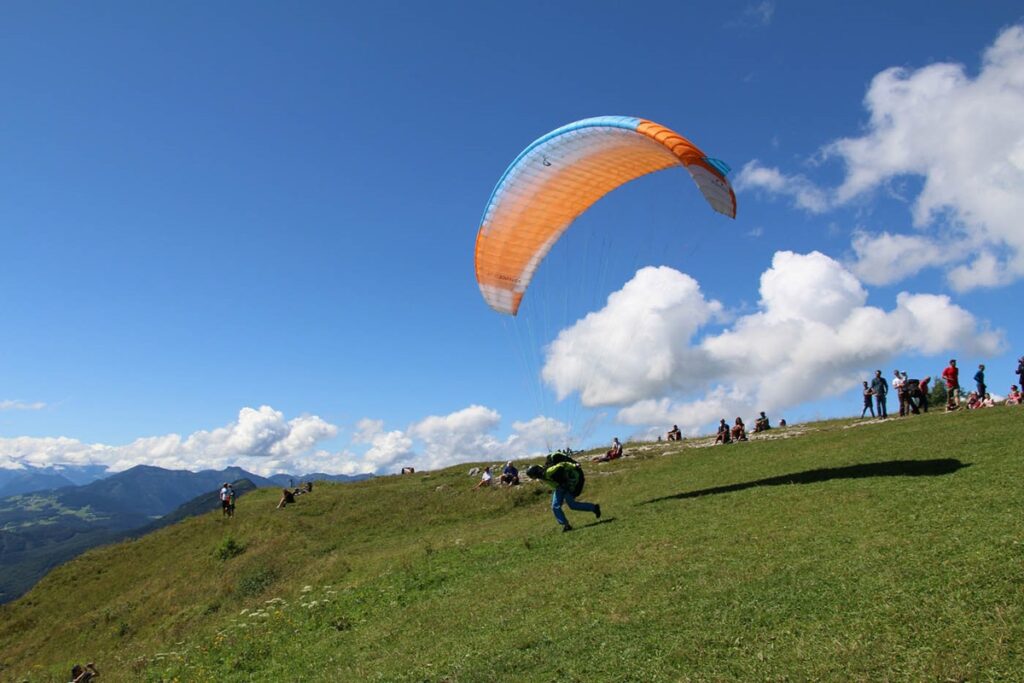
564, 475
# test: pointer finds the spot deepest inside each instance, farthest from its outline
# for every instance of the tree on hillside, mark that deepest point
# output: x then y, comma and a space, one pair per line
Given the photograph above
937, 396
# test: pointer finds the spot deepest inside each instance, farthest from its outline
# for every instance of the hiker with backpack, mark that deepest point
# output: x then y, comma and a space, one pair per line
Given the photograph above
565, 476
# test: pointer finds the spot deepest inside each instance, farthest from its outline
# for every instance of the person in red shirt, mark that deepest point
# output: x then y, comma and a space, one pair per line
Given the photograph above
952, 376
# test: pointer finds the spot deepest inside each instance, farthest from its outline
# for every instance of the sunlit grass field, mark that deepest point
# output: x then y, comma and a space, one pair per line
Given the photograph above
848, 551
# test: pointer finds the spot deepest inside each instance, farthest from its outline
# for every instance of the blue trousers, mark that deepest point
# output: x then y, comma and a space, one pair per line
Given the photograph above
562, 496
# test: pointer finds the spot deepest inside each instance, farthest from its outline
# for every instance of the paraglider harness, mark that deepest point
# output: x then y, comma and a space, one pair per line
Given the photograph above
552, 459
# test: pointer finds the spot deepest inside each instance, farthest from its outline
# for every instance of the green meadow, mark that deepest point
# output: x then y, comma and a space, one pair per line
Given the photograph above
833, 551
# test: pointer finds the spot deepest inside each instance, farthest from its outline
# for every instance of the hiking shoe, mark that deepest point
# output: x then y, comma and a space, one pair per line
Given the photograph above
597, 510
565, 528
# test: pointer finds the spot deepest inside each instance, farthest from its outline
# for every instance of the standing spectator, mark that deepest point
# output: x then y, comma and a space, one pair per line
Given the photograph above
979, 379
923, 388
879, 387
1020, 372
898, 388
225, 499
952, 376
867, 400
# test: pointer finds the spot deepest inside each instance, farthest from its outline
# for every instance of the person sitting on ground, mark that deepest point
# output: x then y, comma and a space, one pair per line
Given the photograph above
739, 431
1014, 397
287, 497
485, 478
510, 475
674, 434
988, 401
761, 424
80, 674
723, 432
613, 453
973, 402
782, 422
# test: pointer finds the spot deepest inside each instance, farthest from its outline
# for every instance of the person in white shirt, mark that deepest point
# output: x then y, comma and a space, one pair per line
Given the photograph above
897, 386
485, 478
225, 499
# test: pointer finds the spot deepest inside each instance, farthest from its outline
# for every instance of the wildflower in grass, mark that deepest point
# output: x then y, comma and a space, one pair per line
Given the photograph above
306, 589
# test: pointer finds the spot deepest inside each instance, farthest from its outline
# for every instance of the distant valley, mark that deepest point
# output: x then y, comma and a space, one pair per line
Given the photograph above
40, 528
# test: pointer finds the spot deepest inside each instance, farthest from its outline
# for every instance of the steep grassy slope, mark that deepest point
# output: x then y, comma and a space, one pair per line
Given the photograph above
884, 551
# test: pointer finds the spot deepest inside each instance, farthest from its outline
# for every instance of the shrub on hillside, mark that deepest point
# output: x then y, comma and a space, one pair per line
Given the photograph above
256, 581
229, 548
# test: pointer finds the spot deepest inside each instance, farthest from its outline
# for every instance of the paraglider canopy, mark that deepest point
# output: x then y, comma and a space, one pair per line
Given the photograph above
561, 175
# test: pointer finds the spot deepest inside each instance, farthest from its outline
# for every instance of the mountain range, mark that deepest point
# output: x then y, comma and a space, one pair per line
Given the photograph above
40, 529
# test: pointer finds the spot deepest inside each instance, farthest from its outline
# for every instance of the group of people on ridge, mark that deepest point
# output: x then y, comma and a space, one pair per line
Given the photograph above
227, 498
913, 393
738, 430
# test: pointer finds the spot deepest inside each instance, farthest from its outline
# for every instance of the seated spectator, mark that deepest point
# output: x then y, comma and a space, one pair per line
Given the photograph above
408, 470
782, 422
510, 475
1014, 397
80, 674
739, 431
761, 423
674, 434
987, 402
723, 432
287, 497
973, 402
485, 478
614, 452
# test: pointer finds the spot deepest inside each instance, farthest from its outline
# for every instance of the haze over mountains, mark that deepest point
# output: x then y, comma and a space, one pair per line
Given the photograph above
13, 482
42, 525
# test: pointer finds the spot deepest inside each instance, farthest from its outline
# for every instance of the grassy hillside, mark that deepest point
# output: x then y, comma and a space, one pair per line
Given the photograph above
878, 551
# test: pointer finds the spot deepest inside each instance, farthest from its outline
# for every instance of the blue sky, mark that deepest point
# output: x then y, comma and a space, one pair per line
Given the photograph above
243, 232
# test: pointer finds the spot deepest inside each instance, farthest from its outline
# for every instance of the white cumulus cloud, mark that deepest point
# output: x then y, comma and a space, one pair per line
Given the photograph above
465, 435
813, 336
964, 137
628, 350
261, 441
